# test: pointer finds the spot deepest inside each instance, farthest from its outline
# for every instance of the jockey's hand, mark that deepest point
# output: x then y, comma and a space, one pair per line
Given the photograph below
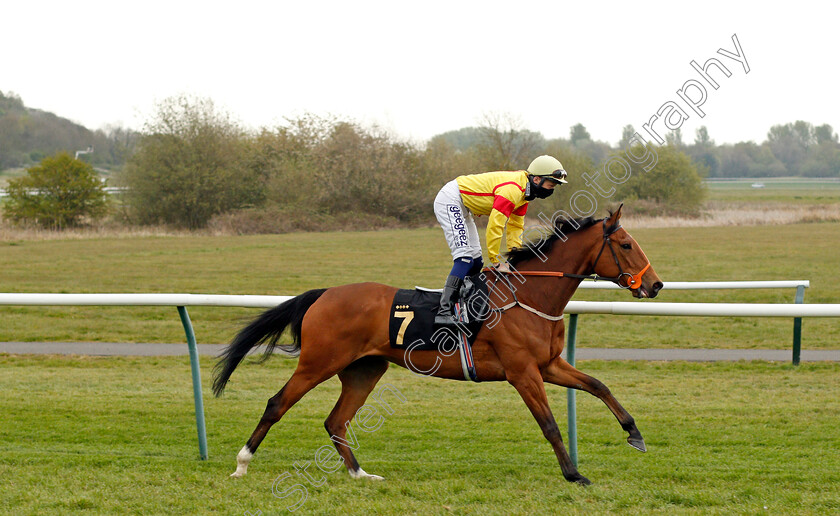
502, 267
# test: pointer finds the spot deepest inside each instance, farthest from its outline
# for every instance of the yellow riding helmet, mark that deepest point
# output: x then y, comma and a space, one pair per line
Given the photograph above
548, 167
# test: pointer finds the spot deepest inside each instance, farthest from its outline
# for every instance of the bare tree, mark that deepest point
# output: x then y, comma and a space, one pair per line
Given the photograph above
506, 144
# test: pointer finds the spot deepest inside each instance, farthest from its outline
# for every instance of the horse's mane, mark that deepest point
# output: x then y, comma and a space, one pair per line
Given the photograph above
542, 246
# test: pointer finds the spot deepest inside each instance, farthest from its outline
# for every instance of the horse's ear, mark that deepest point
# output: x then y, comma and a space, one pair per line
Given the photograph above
614, 216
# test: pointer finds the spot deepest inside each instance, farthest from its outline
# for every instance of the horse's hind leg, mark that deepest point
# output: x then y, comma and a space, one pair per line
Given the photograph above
559, 372
357, 382
530, 387
301, 382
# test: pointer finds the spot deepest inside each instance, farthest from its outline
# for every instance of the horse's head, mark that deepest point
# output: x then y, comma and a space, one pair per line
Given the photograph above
600, 247
619, 256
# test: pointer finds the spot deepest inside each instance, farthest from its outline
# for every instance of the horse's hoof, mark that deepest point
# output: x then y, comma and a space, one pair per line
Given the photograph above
243, 458
241, 469
638, 443
360, 473
579, 479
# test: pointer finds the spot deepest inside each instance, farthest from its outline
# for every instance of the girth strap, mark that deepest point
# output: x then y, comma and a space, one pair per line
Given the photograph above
530, 309
517, 302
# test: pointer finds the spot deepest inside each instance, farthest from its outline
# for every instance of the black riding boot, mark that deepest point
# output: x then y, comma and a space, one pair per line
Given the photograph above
446, 312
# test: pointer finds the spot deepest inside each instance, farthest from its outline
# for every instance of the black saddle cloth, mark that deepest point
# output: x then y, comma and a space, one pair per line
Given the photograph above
412, 321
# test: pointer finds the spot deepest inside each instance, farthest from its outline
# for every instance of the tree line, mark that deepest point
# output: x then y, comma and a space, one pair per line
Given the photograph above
799, 148
793, 149
193, 166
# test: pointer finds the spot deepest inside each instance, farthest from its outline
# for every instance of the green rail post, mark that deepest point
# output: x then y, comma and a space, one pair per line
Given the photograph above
196, 380
797, 326
570, 393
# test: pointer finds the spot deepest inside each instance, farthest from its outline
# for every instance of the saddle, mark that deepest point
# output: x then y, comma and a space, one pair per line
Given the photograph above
411, 324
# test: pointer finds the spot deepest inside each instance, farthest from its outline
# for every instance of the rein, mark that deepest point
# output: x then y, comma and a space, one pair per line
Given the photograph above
634, 281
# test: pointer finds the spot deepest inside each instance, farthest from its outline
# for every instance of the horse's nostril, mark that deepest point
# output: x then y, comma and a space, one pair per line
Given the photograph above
657, 287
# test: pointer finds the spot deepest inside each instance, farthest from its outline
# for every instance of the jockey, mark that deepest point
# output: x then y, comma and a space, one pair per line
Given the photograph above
504, 197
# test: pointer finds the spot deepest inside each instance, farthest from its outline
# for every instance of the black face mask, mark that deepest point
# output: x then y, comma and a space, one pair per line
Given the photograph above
536, 192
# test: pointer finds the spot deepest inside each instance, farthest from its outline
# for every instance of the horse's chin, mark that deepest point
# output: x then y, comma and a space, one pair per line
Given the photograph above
647, 293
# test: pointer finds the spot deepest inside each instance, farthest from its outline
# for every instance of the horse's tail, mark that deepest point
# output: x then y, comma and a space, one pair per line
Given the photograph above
268, 327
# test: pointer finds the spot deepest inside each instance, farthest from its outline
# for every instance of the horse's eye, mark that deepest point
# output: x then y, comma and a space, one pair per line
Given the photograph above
626, 246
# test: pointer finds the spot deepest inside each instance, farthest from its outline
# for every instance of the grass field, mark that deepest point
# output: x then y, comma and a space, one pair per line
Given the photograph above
86, 435
776, 190
82, 435
10, 173
290, 264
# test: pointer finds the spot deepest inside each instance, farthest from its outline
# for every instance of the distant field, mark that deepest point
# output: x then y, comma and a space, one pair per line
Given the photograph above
788, 190
10, 173
116, 435
96, 435
773, 182
290, 264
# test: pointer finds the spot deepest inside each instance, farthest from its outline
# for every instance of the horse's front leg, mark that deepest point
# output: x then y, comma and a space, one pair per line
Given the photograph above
530, 387
559, 372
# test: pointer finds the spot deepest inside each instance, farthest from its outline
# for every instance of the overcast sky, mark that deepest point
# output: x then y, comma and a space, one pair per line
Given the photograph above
422, 68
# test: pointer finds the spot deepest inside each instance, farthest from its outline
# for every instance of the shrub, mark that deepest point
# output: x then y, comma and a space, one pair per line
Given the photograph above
335, 167
58, 193
190, 164
674, 182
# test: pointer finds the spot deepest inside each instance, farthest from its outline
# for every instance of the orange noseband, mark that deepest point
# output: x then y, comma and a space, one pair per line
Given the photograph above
636, 279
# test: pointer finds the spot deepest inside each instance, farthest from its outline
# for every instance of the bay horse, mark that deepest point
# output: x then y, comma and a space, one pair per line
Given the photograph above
343, 330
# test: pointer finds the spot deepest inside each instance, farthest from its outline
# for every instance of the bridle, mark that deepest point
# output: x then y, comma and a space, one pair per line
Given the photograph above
634, 281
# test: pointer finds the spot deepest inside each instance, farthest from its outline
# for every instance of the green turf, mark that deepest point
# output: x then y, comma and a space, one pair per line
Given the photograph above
776, 190
117, 436
10, 173
290, 264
